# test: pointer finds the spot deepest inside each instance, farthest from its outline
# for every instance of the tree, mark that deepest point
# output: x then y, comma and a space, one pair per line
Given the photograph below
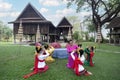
76, 36
1, 27
74, 20
5, 31
86, 36
91, 29
103, 11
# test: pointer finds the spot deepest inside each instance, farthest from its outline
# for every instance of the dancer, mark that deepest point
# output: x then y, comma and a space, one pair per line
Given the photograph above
90, 53
50, 50
81, 52
78, 66
70, 48
40, 65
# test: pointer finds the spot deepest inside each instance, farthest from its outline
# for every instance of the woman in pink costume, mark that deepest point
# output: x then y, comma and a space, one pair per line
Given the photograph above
70, 48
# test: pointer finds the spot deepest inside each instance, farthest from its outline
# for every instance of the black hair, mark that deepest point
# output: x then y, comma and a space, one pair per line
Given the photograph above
70, 40
81, 52
79, 45
92, 48
38, 50
46, 46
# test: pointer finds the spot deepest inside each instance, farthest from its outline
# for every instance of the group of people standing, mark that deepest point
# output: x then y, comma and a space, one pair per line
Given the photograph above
76, 59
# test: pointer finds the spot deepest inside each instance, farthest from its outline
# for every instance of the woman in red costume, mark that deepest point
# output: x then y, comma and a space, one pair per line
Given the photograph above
39, 65
78, 66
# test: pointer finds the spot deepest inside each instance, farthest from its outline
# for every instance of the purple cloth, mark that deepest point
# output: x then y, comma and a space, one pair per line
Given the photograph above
70, 48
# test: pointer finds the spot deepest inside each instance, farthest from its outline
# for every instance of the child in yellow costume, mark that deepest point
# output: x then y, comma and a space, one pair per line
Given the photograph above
50, 50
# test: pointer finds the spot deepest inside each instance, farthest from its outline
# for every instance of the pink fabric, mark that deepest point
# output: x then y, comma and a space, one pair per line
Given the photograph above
70, 60
71, 48
37, 44
56, 45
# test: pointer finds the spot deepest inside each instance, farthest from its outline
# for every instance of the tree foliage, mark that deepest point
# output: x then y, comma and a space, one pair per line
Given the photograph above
76, 36
74, 20
5, 32
91, 28
103, 11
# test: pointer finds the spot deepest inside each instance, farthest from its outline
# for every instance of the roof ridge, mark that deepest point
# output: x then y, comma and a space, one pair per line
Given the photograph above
38, 13
64, 18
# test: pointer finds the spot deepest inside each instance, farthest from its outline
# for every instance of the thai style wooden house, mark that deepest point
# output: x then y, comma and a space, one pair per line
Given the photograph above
34, 27
114, 34
31, 20
64, 29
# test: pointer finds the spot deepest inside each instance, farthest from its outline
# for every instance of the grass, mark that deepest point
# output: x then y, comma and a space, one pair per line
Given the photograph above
16, 60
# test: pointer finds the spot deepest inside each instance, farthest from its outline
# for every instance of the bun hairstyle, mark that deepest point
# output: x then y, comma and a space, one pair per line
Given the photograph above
38, 49
46, 46
79, 45
92, 48
81, 52
70, 40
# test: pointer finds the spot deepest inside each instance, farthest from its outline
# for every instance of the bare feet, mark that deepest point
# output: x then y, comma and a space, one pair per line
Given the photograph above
87, 73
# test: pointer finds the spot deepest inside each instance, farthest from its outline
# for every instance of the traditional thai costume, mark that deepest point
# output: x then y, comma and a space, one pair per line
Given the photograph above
71, 48
81, 52
89, 57
50, 51
40, 65
78, 66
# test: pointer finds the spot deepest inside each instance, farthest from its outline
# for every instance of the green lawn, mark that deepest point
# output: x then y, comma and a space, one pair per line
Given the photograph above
16, 60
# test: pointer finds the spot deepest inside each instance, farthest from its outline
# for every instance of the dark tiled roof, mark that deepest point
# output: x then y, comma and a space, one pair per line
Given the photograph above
64, 23
30, 12
31, 15
115, 23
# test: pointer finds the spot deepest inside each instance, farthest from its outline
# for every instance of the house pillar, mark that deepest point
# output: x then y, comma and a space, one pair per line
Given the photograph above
14, 38
110, 36
35, 39
119, 41
114, 39
109, 39
48, 37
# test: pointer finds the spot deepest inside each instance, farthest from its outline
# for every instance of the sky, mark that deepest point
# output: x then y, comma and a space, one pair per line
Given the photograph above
53, 10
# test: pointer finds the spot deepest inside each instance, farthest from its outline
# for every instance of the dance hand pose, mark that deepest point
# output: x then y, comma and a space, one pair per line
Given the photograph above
70, 48
50, 50
90, 53
40, 65
78, 66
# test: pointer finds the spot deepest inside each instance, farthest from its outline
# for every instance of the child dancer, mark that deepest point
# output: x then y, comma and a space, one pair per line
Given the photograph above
40, 65
90, 53
81, 51
50, 50
78, 66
